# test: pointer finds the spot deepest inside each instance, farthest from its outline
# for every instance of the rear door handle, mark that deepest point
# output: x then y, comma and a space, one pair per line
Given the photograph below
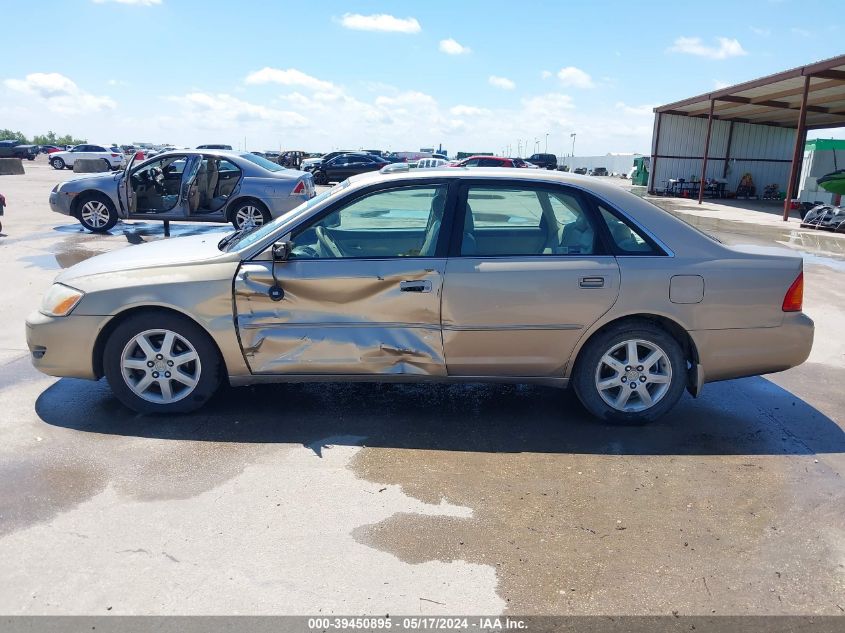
591, 282
421, 285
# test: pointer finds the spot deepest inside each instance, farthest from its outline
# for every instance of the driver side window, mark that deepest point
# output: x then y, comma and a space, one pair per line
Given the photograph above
395, 223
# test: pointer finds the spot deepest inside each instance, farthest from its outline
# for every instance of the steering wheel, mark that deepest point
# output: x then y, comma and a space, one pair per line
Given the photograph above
328, 242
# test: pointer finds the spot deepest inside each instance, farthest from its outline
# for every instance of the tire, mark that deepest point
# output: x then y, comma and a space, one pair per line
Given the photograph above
108, 164
605, 360
145, 389
321, 178
57, 163
249, 213
96, 213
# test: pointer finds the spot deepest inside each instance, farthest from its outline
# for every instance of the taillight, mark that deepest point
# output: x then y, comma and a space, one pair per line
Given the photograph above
793, 301
115, 155
299, 189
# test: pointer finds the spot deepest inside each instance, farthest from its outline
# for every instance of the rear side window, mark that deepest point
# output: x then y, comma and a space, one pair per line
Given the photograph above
627, 239
513, 222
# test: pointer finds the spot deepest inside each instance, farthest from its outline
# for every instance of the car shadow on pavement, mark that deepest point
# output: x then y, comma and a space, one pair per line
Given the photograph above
749, 416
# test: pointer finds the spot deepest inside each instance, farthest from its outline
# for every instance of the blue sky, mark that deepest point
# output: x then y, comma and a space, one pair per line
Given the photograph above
472, 75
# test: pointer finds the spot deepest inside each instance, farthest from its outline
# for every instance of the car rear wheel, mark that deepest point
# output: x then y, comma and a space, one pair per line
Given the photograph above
249, 214
321, 178
97, 214
57, 163
632, 373
159, 362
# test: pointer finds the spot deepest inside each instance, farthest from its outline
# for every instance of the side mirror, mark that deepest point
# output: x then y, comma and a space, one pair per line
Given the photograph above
281, 250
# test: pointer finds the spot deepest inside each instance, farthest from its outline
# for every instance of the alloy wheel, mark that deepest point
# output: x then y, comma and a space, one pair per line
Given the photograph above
633, 375
95, 214
249, 216
160, 366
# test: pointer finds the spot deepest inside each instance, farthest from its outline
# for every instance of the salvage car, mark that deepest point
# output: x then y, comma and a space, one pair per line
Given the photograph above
111, 156
190, 185
505, 275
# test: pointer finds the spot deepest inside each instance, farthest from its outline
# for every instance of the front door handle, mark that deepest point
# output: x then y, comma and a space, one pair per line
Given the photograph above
591, 282
421, 285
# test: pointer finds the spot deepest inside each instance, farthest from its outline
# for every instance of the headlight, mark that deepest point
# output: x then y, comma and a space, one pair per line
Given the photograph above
60, 300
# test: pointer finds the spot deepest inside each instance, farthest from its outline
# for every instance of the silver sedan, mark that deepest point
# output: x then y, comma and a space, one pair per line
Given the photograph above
508, 275
195, 186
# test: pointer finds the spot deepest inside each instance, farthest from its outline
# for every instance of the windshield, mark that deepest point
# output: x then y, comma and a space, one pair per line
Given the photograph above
253, 236
269, 165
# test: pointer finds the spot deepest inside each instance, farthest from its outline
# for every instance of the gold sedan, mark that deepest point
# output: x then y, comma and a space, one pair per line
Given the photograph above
503, 275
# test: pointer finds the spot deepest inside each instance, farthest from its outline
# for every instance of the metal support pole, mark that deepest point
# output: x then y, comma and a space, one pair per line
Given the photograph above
655, 152
728, 150
706, 152
798, 151
167, 228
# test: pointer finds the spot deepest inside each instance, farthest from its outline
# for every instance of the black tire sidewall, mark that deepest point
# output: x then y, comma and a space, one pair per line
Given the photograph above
112, 213
584, 372
210, 376
56, 162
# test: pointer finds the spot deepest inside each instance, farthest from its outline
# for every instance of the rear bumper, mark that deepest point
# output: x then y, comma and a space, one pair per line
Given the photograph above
63, 346
735, 353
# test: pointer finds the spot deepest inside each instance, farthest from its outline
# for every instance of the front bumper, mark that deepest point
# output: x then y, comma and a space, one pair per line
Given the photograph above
735, 353
64, 346
60, 202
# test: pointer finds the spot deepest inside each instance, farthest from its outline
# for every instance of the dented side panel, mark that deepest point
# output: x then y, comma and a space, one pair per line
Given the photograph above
341, 316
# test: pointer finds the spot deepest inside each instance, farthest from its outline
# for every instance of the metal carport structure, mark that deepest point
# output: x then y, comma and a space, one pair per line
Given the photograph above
769, 116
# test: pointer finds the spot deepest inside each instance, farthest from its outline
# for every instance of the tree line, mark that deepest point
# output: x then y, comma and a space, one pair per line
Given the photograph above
50, 138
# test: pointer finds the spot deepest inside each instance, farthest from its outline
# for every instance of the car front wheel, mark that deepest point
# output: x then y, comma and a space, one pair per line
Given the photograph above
57, 163
97, 214
632, 373
159, 362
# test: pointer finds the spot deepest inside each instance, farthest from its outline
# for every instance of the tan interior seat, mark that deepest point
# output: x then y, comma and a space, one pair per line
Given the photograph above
211, 184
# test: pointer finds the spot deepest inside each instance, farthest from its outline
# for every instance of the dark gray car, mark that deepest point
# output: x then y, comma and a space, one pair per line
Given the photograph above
189, 185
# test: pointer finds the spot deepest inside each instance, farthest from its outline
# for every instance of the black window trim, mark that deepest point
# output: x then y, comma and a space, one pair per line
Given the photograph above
590, 209
440, 250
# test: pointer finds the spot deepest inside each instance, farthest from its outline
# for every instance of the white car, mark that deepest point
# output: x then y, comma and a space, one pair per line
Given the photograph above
113, 156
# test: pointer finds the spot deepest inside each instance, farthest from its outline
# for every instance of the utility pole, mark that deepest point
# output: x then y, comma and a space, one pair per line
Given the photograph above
547, 143
572, 136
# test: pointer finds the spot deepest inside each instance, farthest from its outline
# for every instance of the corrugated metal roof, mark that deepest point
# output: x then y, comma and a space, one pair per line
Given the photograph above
776, 100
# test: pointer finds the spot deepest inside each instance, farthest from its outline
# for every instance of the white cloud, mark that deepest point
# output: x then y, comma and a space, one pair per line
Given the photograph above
60, 94
288, 77
575, 77
718, 84
140, 3
117, 82
221, 111
380, 22
465, 110
451, 47
501, 82
545, 74
728, 47
641, 110
760, 31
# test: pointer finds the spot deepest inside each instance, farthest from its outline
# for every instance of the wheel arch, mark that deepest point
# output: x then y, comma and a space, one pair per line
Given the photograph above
667, 324
120, 317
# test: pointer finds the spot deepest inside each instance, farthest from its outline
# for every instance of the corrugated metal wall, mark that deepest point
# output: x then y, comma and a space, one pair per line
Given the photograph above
681, 146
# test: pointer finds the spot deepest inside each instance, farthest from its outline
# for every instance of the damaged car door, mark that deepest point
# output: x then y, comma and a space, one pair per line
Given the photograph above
358, 293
